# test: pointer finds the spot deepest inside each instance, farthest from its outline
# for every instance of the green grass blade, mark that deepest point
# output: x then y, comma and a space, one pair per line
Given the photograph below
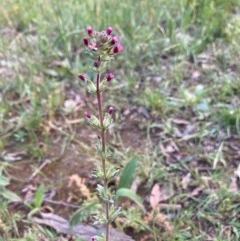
39, 196
10, 196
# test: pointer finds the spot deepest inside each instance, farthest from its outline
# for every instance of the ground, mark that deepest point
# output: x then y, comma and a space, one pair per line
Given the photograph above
176, 110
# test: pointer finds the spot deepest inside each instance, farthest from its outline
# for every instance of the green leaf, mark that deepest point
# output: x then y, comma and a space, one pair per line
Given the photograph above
3, 181
39, 195
91, 87
11, 196
51, 72
128, 193
128, 174
84, 212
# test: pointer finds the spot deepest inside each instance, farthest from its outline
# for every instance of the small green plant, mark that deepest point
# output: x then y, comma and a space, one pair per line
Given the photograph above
35, 206
4, 192
8, 223
123, 190
102, 48
230, 119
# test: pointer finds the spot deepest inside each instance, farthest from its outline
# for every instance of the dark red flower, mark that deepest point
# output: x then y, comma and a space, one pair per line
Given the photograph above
114, 40
117, 49
110, 76
96, 64
109, 30
85, 40
110, 110
82, 77
89, 31
87, 115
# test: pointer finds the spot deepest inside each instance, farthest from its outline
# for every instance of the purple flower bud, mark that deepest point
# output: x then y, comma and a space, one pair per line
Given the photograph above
110, 76
82, 77
114, 40
110, 110
89, 31
96, 64
87, 115
93, 239
117, 49
85, 40
109, 30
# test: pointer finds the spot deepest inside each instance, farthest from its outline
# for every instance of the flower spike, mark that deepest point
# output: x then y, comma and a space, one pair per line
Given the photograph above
102, 46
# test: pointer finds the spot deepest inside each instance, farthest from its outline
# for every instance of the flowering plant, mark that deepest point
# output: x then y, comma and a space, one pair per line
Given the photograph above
102, 47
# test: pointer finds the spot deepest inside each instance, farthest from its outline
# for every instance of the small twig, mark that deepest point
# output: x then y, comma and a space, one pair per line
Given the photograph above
166, 206
61, 203
46, 162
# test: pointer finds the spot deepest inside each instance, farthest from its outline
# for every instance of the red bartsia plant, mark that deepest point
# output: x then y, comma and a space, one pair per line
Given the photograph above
102, 47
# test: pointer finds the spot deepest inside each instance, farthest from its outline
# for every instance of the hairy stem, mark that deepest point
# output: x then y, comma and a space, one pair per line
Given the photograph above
103, 143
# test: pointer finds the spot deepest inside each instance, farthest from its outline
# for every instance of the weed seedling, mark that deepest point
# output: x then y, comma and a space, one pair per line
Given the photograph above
102, 47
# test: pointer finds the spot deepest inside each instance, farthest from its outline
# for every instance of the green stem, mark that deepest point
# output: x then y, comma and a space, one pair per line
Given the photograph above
103, 141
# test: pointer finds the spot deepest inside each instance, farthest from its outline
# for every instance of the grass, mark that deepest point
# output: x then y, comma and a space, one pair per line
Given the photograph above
177, 91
